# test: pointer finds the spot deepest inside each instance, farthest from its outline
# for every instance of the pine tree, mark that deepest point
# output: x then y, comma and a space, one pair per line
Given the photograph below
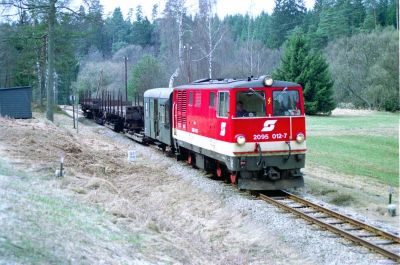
299, 64
287, 15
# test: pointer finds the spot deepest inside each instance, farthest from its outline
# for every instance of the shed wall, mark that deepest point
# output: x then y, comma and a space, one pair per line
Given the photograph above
16, 102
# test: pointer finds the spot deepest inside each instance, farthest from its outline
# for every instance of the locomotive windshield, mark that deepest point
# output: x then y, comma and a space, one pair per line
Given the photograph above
286, 103
250, 104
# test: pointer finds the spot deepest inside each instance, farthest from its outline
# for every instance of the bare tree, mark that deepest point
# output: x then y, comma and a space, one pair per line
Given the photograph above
175, 9
212, 31
250, 41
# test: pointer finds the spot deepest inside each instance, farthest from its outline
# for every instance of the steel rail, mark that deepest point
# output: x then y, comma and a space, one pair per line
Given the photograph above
334, 229
345, 218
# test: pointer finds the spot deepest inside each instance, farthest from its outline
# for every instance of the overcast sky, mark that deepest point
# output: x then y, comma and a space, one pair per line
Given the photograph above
224, 7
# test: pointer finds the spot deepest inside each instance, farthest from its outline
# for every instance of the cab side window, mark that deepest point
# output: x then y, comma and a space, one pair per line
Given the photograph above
190, 98
223, 104
212, 99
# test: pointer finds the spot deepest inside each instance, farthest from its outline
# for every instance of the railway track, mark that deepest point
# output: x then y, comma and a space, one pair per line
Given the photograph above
373, 238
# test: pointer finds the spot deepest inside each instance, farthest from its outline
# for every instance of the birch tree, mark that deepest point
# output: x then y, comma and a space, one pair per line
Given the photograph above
175, 10
212, 31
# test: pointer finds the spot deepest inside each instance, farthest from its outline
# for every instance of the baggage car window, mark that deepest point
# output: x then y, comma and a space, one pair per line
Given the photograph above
167, 111
286, 103
250, 104
223, 104
162, 114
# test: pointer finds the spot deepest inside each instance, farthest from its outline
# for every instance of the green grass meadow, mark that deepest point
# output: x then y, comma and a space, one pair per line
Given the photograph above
356, 145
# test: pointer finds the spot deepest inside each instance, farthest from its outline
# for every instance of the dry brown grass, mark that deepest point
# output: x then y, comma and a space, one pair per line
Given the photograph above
184, 225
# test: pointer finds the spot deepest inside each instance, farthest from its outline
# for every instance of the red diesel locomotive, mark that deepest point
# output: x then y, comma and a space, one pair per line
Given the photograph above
253, 131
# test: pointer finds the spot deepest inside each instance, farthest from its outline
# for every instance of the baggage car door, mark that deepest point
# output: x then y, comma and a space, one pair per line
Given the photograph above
147, 121
164, 121
154, 129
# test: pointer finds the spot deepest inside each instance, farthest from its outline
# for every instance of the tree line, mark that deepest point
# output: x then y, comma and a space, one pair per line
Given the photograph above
349, 48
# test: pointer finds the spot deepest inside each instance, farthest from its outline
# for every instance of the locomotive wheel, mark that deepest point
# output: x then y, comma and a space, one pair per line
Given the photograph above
219, 170
233, 177
189, 159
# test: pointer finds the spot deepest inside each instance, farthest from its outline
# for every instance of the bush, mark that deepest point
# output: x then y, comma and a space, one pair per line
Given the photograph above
146, 74
366, 69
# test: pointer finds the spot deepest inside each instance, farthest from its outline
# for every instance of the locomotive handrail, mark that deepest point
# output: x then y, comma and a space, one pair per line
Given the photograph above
174, 117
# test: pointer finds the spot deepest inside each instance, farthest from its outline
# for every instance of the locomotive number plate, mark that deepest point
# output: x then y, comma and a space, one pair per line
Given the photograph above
279, 136
261, 136
274, 136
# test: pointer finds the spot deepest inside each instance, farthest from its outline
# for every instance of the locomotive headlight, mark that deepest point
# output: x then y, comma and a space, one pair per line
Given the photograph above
300, 138
268, 81
240, 139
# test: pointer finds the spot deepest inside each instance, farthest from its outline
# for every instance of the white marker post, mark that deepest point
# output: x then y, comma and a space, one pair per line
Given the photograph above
62, 166
391, 206
131, 155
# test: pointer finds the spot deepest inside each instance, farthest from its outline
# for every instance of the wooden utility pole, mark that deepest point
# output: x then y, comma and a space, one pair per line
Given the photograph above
50, 58
188, 49
73, 108
126, 78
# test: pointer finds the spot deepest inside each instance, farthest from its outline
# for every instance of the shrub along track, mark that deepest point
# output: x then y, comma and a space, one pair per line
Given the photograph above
360, 233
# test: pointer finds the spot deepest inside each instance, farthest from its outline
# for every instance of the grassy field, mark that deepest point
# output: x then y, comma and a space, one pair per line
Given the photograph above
364, 145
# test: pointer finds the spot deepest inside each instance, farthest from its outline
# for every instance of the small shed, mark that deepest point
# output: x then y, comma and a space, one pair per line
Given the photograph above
15, 102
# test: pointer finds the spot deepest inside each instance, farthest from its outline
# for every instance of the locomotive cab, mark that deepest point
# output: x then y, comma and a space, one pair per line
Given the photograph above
269, 131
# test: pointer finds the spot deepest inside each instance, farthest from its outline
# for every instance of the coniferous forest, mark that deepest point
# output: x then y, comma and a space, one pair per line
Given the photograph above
343, 52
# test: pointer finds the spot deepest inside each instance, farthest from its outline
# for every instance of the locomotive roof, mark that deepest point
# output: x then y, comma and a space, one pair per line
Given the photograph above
162, 92
234, 83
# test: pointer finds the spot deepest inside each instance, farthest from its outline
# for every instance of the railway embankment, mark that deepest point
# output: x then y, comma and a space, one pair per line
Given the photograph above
153, 210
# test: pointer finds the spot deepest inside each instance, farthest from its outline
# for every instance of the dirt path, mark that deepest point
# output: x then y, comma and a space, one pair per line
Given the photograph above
182, 217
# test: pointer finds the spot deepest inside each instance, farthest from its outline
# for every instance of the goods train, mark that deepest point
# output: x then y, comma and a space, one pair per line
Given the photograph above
251, 132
